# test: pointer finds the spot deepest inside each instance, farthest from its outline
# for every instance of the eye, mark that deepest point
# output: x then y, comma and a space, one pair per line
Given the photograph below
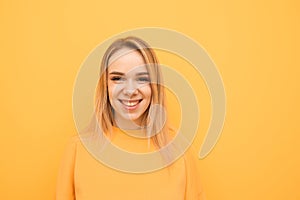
143, 79
117, 79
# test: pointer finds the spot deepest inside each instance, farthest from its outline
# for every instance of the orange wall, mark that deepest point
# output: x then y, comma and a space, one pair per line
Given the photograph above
253, 43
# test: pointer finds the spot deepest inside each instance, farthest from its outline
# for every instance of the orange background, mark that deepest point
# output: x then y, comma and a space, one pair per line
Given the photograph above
255, 45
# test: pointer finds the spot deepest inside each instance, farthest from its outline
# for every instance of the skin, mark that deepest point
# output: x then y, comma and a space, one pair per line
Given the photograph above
129, 89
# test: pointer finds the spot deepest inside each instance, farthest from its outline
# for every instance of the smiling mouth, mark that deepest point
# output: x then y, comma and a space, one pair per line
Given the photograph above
130, 103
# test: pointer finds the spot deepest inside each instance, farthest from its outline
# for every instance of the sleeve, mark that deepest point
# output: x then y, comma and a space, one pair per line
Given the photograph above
193, 190
65, 179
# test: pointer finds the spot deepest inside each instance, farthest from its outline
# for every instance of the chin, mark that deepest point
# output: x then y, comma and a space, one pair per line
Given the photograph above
133, 118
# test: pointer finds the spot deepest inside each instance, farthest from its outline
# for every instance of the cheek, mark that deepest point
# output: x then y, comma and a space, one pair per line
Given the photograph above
147, 92
111, 91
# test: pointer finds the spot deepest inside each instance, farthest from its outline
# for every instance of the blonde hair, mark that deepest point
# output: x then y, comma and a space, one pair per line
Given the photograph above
156, 126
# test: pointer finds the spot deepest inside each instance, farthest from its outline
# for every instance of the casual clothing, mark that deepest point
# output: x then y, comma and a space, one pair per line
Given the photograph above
82, 177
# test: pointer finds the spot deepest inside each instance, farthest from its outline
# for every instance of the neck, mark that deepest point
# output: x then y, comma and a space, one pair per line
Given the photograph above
127, 124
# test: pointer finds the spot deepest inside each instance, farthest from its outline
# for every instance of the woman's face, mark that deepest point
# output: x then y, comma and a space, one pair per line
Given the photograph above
129, 88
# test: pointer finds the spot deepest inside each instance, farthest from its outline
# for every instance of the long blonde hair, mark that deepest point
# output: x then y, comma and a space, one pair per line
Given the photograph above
157, 126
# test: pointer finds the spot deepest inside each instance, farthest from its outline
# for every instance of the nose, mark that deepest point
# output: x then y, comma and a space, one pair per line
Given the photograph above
130, 88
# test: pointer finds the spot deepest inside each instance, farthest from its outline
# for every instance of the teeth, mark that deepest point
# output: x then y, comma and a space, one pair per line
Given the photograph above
128, 103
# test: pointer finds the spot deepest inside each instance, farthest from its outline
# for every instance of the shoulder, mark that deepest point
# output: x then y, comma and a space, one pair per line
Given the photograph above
81, 137
71, 145
73, 140
171, 133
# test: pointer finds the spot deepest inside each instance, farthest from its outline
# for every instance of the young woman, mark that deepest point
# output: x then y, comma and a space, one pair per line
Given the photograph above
130, 114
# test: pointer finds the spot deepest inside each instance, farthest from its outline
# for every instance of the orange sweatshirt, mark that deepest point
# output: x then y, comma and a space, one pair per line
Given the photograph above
82, 177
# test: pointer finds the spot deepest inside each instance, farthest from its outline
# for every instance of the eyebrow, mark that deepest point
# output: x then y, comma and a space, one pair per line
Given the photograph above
116, 73
142, 73
120, 73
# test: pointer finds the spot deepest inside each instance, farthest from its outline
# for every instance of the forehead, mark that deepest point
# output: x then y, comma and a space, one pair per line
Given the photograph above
127, 61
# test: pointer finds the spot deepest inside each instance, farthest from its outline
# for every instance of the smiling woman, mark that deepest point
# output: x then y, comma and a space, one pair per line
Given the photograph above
129, 112
129, 89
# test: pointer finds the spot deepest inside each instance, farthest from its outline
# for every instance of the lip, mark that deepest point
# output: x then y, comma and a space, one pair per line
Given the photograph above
131, 104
